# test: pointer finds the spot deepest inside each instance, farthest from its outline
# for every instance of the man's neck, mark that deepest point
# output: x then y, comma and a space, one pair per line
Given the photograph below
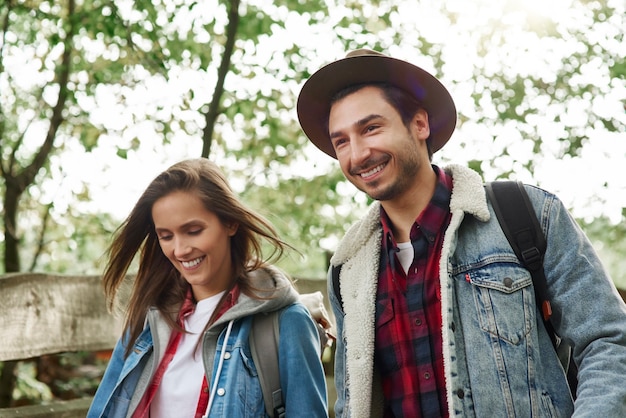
404, 210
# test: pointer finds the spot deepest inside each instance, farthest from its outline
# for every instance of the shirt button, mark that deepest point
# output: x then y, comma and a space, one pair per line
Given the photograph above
221, 392
426, 375
226, 356
418, 322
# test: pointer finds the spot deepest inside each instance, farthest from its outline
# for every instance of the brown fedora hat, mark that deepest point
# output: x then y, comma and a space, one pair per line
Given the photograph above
366, 66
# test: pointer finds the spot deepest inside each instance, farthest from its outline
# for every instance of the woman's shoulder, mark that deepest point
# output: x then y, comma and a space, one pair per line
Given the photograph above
296, 321
300, 337
295, 310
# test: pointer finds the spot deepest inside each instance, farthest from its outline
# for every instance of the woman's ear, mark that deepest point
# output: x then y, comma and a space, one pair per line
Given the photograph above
232, 228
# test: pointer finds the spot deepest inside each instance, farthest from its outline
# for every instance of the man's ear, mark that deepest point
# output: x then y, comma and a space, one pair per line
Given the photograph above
420, 126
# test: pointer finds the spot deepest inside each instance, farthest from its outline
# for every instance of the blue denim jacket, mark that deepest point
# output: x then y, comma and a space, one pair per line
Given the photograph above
499, 360
239, 391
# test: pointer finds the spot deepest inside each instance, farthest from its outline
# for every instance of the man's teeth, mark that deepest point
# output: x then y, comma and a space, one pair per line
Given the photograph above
372, 171
192, 263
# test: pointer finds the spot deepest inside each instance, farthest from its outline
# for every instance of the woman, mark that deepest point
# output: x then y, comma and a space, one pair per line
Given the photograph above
201, 278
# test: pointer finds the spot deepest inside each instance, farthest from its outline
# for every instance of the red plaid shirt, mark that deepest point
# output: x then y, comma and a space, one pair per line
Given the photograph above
186, 309
409, 347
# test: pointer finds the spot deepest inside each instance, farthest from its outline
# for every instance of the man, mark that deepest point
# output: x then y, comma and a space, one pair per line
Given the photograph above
436, 317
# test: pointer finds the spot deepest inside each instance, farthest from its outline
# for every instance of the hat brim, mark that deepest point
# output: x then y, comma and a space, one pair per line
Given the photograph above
314, 100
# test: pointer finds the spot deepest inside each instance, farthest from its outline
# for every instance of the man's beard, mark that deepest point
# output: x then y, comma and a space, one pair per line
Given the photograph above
408, 166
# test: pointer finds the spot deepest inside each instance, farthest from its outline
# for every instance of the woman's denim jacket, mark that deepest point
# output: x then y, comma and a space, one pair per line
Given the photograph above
499, 360
239, 391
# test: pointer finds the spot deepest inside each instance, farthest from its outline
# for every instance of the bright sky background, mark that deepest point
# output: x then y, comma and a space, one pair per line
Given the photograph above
116, 184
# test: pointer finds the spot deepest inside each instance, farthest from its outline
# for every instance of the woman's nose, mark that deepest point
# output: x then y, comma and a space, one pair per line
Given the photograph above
181, 247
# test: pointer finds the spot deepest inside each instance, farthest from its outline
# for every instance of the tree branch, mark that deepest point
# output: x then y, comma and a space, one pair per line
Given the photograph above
42, 233
215, 106
5, 29
27, 175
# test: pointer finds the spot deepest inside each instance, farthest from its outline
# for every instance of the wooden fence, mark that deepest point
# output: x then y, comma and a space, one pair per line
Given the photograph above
43, 314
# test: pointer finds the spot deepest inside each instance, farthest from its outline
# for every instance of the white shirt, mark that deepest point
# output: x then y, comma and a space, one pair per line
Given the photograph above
406, 254
177, 395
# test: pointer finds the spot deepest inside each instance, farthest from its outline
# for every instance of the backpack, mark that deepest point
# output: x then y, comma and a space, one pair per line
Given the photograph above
520, 225
264, 338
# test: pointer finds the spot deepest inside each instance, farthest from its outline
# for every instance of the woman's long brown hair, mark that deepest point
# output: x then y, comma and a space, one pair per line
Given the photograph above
158, 284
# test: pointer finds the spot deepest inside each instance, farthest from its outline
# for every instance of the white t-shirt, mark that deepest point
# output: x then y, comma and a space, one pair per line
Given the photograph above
178, 393
406, 254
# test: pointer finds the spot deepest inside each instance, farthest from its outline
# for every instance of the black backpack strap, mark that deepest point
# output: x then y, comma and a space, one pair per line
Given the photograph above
519, 223
264, 339
521, 227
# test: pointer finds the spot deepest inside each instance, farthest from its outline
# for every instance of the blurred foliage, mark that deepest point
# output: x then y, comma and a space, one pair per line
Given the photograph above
62, 376
609, 241
124, 48
28, 389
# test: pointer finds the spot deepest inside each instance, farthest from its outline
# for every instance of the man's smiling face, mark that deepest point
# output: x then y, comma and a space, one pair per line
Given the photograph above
377, 152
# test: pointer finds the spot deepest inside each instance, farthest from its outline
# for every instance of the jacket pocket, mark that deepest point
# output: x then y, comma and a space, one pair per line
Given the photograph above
547, 407
247, 362
503, 295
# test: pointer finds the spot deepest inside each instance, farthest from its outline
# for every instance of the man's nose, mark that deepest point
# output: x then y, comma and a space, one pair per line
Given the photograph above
359, 151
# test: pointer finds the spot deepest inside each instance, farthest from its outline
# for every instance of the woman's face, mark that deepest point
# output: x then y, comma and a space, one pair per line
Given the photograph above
195, 241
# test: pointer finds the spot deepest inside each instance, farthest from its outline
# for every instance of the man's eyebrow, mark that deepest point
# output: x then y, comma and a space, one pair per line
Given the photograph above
359, 123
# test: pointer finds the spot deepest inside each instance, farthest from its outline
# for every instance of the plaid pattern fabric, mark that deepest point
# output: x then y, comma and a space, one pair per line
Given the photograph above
186, 309
409, 347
